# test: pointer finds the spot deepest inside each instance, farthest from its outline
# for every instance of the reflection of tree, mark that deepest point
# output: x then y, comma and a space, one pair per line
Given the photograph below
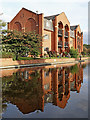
84, 65
19, 91
27, 89
4, 107
74, 69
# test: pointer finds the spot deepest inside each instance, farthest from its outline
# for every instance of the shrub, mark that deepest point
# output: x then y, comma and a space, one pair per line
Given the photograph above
6, 55
83, 53
74, 53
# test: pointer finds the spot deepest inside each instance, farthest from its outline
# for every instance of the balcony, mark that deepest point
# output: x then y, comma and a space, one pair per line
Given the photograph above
60, 44
60, 33
66, 34
66, 44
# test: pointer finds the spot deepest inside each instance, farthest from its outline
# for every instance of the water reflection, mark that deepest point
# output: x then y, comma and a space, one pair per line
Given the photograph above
29, 89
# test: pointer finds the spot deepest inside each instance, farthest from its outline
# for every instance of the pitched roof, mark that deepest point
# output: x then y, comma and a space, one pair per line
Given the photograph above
73, 27
51, 17
28, 10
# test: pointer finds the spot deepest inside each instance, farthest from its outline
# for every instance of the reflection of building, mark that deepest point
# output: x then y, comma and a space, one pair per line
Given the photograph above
51, 85
77, 80
58, 34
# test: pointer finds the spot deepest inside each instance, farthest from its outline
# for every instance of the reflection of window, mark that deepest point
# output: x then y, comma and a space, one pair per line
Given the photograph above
46, 37
46, 73
46, 87
26, 74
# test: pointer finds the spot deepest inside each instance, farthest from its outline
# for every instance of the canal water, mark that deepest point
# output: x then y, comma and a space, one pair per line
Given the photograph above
46, 92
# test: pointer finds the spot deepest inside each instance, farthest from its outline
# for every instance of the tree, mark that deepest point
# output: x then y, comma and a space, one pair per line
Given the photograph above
88, 51
73, 52
2, 24
21, 43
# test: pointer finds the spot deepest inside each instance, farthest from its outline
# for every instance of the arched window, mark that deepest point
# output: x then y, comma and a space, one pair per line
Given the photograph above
30, 25
17, 26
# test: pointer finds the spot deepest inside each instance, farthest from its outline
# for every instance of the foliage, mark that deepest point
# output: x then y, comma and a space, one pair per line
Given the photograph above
19, 85
2, 24
83, 53
73, 52
66, 53
6, 54
27, 58
88, 51
74, 69
52, 53
21, 44
86, 46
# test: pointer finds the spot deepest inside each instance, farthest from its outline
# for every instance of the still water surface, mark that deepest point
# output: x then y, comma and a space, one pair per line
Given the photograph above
46, 92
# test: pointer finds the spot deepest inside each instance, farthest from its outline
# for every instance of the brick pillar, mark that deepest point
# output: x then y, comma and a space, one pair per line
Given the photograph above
68, 41
8, 26
68, 96
42, 80
63, 81
56, 81
41, 31
37, 23
75, 39
82, 75
81, 42
23, 29
56, 34
55, 88
63, 40
74, 43
76, 80
69, 81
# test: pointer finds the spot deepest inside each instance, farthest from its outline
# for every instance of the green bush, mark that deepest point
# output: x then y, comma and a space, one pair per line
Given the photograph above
74, 53
26, 58
83, 53
6, 55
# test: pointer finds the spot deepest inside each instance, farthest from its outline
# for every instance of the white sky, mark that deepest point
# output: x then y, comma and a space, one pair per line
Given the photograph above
75, 10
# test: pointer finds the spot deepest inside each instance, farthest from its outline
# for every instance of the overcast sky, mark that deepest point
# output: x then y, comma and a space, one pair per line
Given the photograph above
75, 10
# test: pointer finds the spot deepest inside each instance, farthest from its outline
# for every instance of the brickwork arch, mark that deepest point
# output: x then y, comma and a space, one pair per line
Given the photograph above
60, 25
17, 26
30, 25
66, 27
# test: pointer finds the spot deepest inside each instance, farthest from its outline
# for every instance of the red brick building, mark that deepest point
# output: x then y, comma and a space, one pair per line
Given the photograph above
57, 33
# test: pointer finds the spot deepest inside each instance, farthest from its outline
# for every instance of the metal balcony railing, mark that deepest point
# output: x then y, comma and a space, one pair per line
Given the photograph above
60, 32
59, 44
66, 44
66, 34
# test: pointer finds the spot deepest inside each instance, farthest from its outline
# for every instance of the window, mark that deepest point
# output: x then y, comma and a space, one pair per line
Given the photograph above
71, 42
46, 87
46, 49
46, 37
47, 24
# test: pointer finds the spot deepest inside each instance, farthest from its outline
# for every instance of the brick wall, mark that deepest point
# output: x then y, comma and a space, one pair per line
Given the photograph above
9, 61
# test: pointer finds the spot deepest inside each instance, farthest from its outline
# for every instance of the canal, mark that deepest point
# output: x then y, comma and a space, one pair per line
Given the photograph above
59, 91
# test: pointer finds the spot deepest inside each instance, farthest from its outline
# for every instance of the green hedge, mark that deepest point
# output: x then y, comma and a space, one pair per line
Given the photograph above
6, 55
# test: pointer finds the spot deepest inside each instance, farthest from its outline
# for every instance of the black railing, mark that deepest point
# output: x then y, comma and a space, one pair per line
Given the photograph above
66, 34
66, 44
60, 44
59, 32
